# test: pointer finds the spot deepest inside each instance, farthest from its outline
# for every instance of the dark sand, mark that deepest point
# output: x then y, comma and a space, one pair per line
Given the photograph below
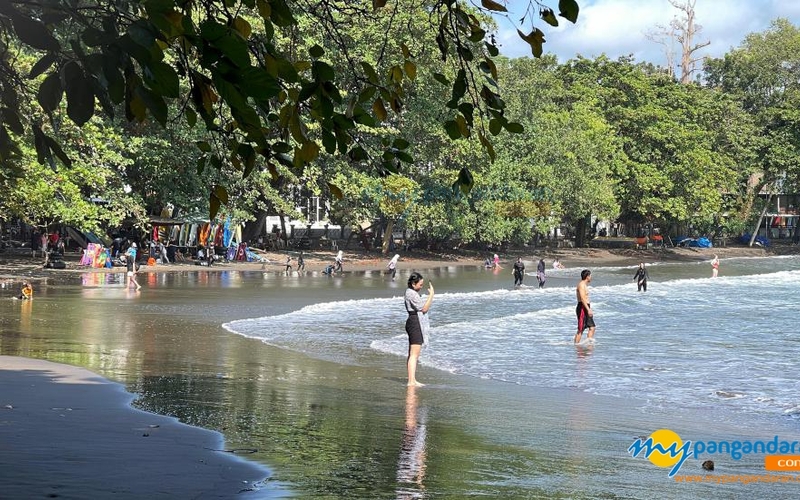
67, 433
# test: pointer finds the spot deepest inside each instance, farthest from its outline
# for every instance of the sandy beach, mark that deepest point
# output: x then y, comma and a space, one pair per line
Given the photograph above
67, 433
16, 263
335, 428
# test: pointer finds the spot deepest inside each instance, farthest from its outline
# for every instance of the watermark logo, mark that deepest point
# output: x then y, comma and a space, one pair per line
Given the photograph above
663, 448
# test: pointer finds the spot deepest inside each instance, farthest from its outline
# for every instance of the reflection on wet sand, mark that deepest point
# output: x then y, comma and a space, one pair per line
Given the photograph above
411, 463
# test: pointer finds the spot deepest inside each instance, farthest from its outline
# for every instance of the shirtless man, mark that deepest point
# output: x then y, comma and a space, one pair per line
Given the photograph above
584, 309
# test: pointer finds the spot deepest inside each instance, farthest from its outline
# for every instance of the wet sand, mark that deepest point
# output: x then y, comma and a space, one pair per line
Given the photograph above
347, 429
67, 433
19, 264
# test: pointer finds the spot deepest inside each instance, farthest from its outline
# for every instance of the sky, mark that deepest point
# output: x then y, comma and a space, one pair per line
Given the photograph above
617, 27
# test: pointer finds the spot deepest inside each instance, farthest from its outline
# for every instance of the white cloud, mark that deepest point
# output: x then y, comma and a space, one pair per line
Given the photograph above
618, 27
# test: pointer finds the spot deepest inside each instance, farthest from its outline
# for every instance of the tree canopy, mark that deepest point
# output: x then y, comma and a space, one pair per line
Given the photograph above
394, 114
256, 73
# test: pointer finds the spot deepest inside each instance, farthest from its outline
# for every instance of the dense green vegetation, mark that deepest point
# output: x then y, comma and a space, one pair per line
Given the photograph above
399, 113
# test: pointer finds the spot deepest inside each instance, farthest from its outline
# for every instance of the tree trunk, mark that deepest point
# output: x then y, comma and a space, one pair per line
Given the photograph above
387, 237
760, 218
283, 231
253, 229
580, 233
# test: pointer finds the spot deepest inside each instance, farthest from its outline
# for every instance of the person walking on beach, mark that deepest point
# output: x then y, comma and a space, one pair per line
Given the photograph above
519, 272
496, 262
417, 323
641, 277
339, 260
301, 262
541, 277
288, 269
393, 266
714, 266
130, 262
584, 309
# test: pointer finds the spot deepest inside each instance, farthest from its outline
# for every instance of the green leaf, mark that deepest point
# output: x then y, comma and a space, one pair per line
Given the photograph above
335, 191
549, 17
477, 35
492, 49
213, 205
400, 143
30, 31
328, 142
259, 84
515, 128
316, 51
281, 14
495, 126
309, 151
404, 157
191, 117
366, 94
39, 143
203, 146
80, 97
42, 65
221, 193
459, 88
379, 109
162, 79
451, 127
568, 9
227, 41
441, 79
369, 71
155, 103
411, 70
143, 33
357, 154
535, 39
396, 75
94, 37
322, 71
492, 5
55, 147
11, 118
50, 92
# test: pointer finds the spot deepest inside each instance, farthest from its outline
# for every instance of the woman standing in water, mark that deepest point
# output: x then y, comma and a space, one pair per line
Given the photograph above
541, 277
714, 266
417, 323
392, 267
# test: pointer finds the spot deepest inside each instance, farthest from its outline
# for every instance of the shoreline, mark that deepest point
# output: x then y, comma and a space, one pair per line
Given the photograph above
16, 266
82, 430
307, 416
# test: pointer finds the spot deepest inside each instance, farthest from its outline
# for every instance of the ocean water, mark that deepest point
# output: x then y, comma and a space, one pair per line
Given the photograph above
728, 344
